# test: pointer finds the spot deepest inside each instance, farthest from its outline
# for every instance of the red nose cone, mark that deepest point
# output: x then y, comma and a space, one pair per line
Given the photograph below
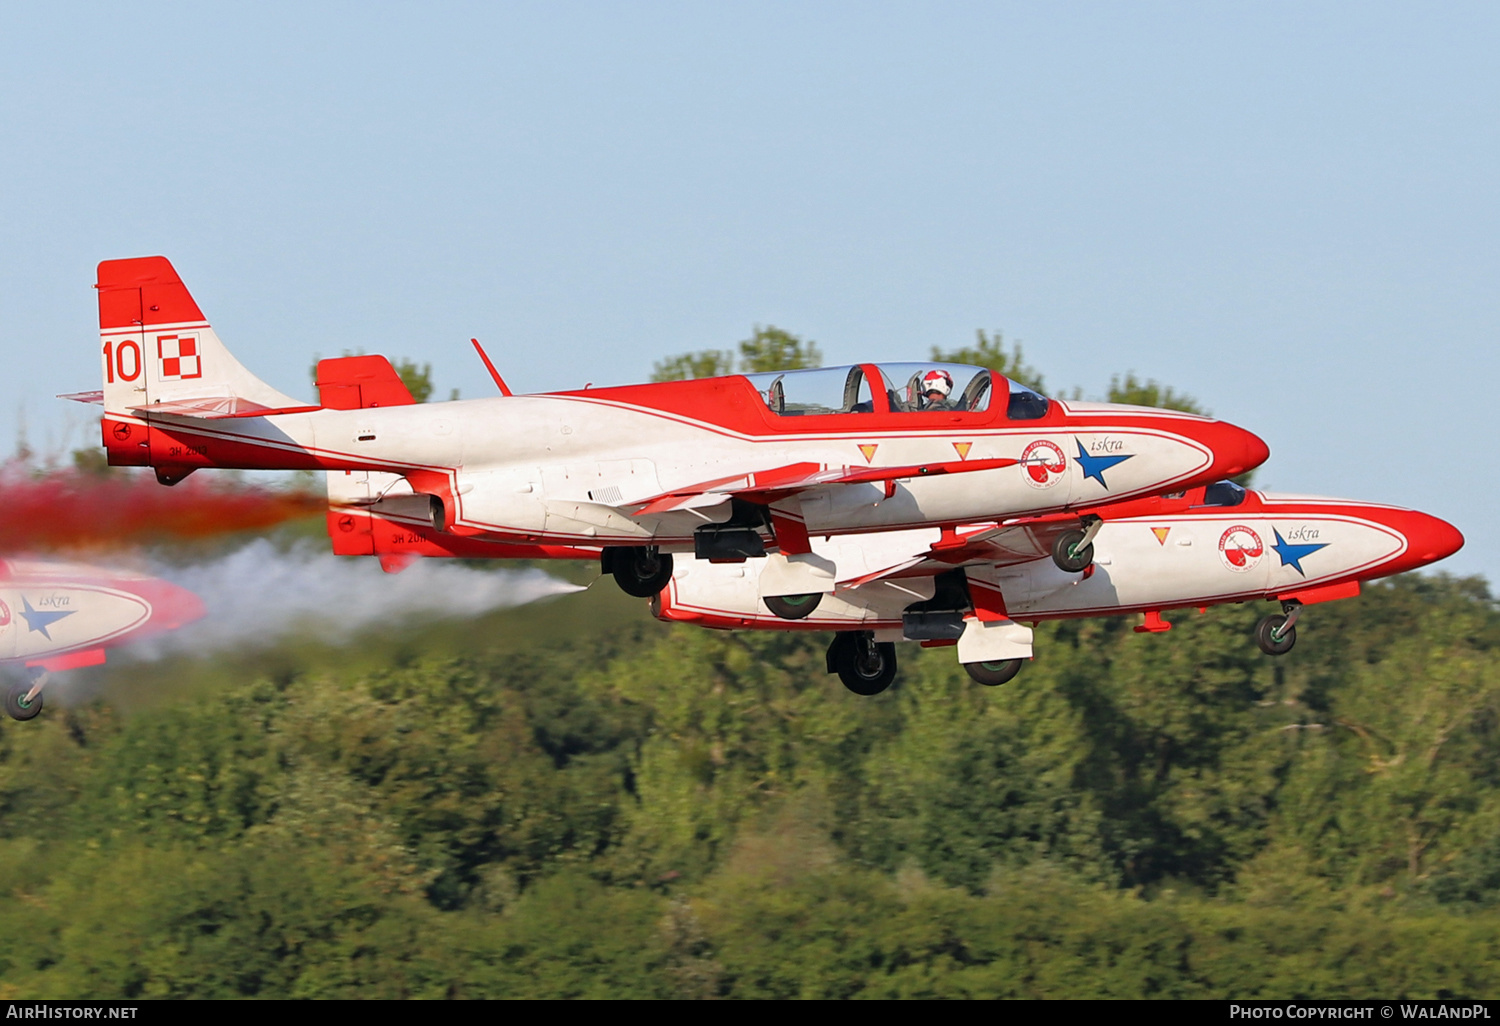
1236, 450
174, 607
1428, 539
171, 606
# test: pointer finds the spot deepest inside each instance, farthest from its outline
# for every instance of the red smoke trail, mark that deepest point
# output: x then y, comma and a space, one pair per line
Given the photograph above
70, 508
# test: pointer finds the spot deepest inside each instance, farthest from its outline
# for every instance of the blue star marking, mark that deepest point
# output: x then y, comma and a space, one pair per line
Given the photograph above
36, 621
1293, 555
1095, 466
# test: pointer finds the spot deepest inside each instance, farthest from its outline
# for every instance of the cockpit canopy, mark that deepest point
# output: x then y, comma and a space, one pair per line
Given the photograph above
838, 390
1223, 493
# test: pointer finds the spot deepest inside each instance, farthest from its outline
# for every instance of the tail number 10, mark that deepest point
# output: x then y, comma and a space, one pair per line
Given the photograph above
123, 360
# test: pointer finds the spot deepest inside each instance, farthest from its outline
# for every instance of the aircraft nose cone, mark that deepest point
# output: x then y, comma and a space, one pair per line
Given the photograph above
1237, 450
172, 606
1430, 539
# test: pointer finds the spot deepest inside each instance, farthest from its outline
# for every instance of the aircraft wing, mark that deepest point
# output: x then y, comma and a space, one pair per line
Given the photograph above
994, 544
768, 486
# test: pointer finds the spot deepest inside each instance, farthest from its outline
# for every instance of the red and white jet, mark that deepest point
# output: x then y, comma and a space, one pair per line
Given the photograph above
983, 586
62, 616
751, 465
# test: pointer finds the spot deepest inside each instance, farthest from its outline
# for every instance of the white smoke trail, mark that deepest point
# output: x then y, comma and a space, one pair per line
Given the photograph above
259, 594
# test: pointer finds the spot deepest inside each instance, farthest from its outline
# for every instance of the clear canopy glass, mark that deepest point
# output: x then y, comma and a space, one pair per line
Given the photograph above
909, 388
807, 393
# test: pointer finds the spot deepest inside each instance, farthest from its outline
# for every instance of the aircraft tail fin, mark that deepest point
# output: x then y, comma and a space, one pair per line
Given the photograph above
159, 352
360, 382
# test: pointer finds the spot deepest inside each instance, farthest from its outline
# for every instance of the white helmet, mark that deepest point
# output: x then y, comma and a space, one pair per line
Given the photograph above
939, 381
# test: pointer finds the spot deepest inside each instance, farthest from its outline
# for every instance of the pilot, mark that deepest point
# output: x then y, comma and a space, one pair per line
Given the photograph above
937, 390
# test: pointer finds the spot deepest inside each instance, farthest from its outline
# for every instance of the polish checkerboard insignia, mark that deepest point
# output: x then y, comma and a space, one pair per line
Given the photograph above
178, 357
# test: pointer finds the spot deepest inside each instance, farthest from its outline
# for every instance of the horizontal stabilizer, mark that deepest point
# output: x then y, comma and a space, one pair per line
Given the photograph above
96, 398
218, 408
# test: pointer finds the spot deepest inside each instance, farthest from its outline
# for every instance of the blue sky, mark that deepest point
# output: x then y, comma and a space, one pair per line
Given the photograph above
1289, 211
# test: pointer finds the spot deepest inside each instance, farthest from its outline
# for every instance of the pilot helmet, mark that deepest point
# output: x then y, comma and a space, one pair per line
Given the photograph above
939, 381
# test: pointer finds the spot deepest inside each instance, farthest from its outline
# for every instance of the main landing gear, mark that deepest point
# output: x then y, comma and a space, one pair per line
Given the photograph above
993, 674
793, 607
866, 666
1073, 550
24, 700
1276, 634
641, 571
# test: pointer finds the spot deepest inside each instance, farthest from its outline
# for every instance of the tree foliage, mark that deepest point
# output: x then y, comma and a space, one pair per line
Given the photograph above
768, 348
418, 380
503, 811
772, 349
709, 363
1134, 392
989, 351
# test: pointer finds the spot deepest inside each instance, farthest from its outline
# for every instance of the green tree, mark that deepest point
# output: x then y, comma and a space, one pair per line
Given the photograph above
418, 380
989, 351
1132, 391
772, 349
709, 363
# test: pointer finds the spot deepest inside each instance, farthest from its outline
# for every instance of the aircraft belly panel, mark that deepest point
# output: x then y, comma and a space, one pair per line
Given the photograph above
502, 499
732, 591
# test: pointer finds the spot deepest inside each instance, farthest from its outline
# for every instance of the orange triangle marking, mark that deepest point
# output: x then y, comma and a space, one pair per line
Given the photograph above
1161, 534
963, 449
869, 451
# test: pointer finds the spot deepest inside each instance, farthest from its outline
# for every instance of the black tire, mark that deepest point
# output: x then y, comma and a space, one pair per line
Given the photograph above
16, 704
641, 572
793, 607
865, 666
1072, 562
993, 674
1267, 642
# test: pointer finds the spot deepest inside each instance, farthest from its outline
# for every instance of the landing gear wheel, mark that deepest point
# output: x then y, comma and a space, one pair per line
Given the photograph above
866, 667
1268, 640
17, 704
1067, 560
993, 674
641, 571
793, 607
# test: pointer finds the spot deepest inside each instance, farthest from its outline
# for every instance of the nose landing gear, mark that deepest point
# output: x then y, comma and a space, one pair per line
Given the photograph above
1073, 551
1276, 634
23, 701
